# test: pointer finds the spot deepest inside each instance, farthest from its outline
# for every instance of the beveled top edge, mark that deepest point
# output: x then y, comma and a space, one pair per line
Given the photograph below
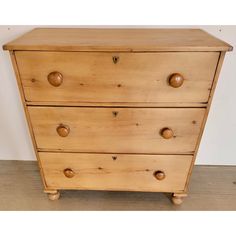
117, 39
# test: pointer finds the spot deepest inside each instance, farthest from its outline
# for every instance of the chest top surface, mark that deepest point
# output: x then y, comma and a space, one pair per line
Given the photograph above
127, 40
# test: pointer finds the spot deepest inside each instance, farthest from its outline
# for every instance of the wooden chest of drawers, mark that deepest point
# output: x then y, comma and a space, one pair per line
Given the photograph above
117, 109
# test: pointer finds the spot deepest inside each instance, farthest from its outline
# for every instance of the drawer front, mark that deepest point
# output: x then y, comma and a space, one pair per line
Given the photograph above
120, 130
115, 171
116, 77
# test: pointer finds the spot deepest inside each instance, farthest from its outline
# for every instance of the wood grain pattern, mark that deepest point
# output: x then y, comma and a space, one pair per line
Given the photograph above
216, 77
122, 130
137, 128
212, 188
137, 77
22, 96
118, 40
126, 172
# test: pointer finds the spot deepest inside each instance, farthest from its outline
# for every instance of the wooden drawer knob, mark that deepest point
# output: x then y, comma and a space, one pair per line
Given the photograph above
63, 130
167, 133
176, 80
55, 78
160, 175
69, 173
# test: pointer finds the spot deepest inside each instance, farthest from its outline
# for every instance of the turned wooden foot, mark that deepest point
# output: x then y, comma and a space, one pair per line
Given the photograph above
177, 198
54, 195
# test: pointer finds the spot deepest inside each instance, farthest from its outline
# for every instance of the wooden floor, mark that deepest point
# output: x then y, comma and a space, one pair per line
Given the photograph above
211, 188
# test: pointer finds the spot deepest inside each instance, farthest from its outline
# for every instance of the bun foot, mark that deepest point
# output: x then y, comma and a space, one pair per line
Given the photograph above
54, 196
177, 198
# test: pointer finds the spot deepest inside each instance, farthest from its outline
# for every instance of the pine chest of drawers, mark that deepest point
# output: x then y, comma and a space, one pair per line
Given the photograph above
117, 109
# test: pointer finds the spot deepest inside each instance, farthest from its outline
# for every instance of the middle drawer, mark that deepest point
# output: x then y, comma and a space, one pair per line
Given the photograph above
119, 130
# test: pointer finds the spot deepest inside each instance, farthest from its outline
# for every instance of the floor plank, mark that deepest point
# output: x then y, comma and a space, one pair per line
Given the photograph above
211, 188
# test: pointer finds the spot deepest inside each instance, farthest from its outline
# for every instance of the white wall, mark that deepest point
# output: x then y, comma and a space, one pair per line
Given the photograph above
218, 142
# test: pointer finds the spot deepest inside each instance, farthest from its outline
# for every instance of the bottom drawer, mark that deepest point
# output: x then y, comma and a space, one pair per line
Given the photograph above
127, 172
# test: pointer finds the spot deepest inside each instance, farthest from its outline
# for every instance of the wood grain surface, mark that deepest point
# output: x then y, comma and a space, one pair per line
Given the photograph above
61, 39
129, 142
115, 171
211, 188
120, 130
216, 77
135, 78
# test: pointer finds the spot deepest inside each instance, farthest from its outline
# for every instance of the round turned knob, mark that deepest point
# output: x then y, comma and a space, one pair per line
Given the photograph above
160, 175
69, 173
55, 78
176, 80
63, 130
167, 133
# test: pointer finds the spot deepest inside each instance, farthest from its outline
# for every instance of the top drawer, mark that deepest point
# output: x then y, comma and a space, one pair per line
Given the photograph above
116, 77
